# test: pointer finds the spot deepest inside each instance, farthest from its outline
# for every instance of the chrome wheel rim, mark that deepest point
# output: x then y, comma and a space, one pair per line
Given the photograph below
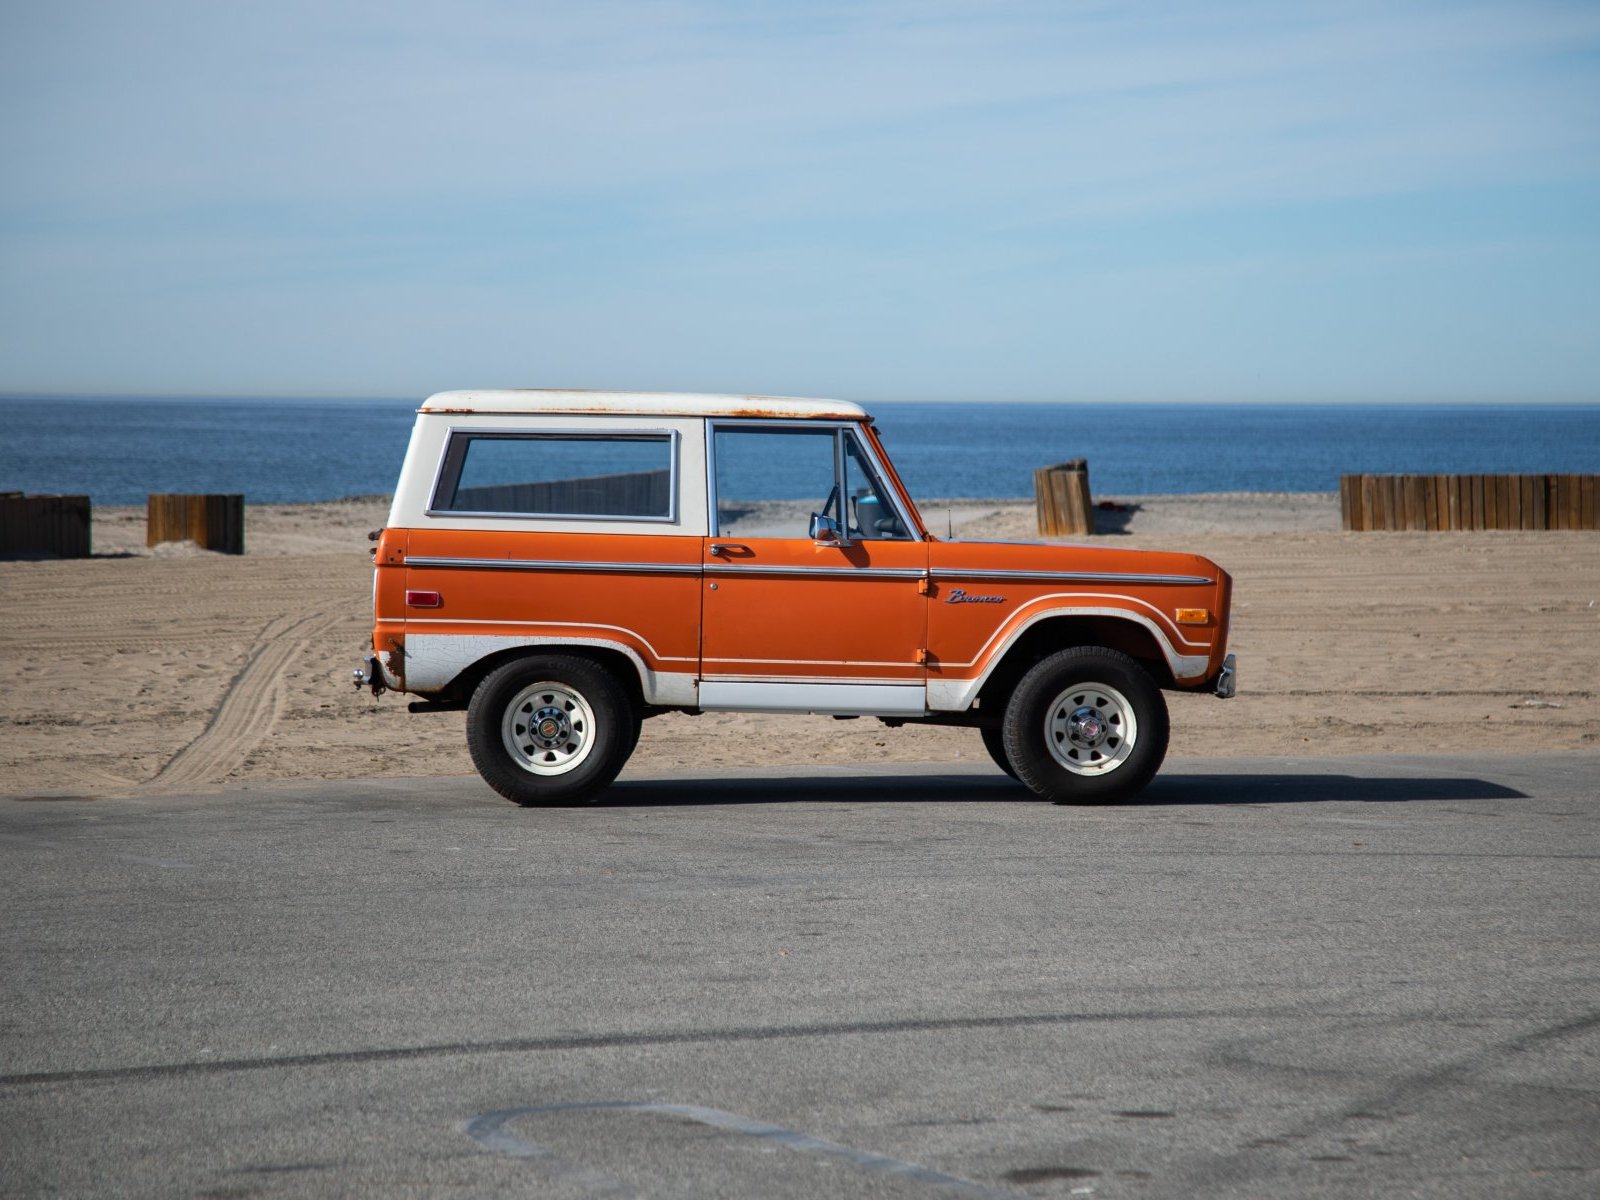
548, 729
1090, 729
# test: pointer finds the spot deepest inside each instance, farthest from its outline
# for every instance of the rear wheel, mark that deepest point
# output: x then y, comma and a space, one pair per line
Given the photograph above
550, 730
1086, 726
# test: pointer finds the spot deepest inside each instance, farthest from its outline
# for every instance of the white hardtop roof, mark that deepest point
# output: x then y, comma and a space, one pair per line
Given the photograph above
676, 404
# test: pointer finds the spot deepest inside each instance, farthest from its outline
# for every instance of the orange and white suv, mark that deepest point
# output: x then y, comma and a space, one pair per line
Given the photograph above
564, 565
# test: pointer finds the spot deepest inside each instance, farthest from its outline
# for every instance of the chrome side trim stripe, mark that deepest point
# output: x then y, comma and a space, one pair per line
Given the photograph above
648, 568
1069, 577
556, 564
818, 572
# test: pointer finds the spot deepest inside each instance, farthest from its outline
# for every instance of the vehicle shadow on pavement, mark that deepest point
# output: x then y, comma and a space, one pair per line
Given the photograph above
1310, 788
809, 788
952, 789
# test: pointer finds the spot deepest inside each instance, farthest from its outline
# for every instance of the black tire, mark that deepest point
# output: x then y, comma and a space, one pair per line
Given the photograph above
1086, 726
994, 741
589, 730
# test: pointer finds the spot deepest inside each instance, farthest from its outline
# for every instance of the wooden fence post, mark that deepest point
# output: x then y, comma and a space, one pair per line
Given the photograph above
214, 522
1469, 502
1061, 498
56, 526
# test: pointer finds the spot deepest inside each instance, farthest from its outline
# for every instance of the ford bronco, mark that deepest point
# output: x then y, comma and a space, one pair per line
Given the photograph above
565, 565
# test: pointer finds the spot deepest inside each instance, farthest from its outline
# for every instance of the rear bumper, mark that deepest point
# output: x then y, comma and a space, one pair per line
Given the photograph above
378, 676
371, 677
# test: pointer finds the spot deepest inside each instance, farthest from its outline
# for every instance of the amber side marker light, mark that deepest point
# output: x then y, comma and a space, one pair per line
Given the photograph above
1194, 616
424, 600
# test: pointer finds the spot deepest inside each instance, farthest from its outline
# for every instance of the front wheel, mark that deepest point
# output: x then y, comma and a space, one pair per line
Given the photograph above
1086, 726
550, 730
994, 741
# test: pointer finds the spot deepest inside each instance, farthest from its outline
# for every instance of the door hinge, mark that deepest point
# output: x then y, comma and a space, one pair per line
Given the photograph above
925, 586
923, 657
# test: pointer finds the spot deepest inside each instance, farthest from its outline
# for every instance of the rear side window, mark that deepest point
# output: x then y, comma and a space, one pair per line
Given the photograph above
626, 476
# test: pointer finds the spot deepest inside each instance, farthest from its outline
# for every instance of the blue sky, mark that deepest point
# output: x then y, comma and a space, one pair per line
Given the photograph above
879, 201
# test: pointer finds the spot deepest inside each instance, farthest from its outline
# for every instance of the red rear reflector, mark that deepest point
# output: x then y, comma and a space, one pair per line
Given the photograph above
424, 600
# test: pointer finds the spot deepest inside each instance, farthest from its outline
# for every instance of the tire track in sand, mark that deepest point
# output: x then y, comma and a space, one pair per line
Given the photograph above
248, 709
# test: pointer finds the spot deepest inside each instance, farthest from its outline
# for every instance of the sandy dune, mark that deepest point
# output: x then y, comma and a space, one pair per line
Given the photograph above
176, 669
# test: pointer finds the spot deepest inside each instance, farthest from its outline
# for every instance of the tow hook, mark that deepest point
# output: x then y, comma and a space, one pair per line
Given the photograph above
371, 678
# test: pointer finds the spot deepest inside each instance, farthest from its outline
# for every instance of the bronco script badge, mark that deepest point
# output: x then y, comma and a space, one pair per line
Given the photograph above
960, 597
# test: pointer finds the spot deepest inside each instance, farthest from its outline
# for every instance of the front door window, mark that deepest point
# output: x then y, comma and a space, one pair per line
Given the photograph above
771, 482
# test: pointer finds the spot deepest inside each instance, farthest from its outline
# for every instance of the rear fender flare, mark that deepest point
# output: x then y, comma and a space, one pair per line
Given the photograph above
436, 661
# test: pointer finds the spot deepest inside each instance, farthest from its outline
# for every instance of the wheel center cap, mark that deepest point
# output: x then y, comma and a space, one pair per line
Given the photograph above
550, 726
1087, 727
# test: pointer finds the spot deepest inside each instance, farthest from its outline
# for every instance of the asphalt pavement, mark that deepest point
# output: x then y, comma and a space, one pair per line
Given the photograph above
1268, 977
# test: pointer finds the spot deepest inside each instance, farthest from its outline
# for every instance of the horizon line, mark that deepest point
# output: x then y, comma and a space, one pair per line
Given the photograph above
1137, 401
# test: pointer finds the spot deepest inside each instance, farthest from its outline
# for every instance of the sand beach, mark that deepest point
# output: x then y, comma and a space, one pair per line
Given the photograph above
142, 671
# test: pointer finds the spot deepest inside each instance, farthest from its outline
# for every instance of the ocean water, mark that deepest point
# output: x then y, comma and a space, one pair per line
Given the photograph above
119, 450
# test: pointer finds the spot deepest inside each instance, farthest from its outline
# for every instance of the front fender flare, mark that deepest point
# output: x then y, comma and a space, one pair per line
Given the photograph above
957, 695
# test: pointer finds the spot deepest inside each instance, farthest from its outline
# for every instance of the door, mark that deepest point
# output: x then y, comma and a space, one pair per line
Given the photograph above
813, 589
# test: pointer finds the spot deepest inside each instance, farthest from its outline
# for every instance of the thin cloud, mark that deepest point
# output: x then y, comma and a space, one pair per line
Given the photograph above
221, 179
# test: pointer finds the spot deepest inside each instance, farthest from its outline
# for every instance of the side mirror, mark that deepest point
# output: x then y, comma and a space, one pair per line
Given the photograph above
825, 531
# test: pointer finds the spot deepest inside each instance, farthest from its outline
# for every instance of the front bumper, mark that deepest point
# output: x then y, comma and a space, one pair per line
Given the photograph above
1228, 679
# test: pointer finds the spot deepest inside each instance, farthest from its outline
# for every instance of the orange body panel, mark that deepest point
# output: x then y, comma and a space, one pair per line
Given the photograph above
388, 604
784, 609
654, 613
973, 617
844, 618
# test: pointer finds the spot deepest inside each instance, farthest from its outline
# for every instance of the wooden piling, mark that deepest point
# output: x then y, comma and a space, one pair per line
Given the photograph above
214, 522
44, 526
1061, 499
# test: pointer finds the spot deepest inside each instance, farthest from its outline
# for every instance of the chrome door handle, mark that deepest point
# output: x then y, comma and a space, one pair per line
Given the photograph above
722, 548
